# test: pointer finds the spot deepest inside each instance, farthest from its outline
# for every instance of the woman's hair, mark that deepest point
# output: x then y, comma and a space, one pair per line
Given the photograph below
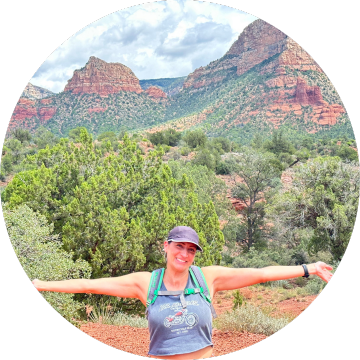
165, 253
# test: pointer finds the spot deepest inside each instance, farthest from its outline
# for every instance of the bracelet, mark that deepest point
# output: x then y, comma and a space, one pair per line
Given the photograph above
306, 271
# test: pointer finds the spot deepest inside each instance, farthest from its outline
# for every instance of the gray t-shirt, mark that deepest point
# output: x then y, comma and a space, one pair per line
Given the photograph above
175, 330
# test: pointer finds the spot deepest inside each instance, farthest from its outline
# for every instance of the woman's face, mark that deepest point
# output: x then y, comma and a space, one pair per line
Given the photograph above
180, 254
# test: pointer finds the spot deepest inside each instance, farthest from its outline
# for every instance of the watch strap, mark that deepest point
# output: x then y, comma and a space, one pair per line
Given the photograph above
306, 271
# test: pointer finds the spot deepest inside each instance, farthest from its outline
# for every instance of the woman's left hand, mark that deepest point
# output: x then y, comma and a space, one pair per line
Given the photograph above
322, 271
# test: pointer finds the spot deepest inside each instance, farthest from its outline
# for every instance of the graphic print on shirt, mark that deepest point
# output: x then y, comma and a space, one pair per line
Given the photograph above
181, 316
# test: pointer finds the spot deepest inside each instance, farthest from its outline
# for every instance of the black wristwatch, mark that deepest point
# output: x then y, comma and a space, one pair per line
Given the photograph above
306, 271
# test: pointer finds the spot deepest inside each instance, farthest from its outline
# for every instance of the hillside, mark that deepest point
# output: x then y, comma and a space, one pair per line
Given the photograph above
36, 92
264, 81
170, 86
101, 96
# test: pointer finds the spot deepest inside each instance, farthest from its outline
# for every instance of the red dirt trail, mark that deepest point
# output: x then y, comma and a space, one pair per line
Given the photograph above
136, 340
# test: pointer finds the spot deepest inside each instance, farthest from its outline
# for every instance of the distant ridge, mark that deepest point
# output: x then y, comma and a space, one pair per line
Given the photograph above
263, 82
170, 86
35, 92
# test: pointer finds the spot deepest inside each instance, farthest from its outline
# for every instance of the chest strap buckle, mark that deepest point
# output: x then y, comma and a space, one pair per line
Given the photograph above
193, 291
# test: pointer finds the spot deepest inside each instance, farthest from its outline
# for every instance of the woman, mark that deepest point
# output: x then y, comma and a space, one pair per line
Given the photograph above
181, 330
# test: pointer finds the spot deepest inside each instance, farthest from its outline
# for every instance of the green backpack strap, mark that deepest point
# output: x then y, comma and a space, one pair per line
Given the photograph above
199, 279
154, 287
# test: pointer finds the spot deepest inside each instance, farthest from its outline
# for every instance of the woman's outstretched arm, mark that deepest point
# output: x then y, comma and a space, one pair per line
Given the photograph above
221, 278
134, 285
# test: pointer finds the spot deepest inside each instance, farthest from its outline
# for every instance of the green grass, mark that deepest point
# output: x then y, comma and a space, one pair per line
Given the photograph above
104, 315
251, 319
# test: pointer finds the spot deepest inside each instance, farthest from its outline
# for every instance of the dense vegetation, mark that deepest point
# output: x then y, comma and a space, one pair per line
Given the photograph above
103, 207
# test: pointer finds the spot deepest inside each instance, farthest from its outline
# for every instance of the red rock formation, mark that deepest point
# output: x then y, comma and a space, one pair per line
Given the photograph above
46, 101
24, 109
259, 41
46, 113
329, 114
307, 95
27, 109
103, 78
96, 110
155, 92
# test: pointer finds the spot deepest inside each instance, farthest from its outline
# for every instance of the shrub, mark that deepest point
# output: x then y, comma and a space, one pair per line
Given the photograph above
251, 319
223, 168
185, 151
279, 284
314, 286
195, 138
2, 176
301, 281
104, 314
238, 300
41, 256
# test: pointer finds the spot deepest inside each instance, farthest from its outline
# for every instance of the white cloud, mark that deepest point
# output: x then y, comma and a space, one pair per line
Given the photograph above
162, 39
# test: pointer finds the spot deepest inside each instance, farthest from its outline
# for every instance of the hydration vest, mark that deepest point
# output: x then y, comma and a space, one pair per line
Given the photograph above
198, 279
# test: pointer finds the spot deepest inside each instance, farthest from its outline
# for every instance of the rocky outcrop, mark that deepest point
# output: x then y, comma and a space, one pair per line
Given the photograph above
100, 77
96, 110
35, 92
307, 95
46, 113
27, 111
258, 42
155, 92
25, 108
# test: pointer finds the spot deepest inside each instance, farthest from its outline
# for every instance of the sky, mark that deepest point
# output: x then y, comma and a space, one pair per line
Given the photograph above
164, 39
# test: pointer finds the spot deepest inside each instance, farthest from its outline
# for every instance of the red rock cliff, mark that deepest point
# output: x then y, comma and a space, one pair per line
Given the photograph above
103, 78
259, 41
307, 95
155, 92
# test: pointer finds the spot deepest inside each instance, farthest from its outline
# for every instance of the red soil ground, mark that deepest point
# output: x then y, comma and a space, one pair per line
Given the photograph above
136, 340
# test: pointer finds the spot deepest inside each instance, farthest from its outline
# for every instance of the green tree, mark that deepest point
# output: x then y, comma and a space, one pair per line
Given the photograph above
16, 149
108, 135
22, 135
7, 163
323, 198
2, 175
168, 137
207, 186
43, 137
41, 256
114, 212
172, 137
257, 141
74, 134
196, 138
224, 143
157, 138
347, 153
279, 144
208, 158
257, 176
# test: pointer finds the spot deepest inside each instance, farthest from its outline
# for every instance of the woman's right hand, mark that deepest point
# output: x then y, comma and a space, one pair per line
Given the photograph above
37, 283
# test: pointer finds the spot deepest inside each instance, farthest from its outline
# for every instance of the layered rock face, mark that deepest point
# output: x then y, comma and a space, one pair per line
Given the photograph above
103, 78
155, 93
296, 96
307, 95
259, 41
26, 111
35, 92
286, 91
